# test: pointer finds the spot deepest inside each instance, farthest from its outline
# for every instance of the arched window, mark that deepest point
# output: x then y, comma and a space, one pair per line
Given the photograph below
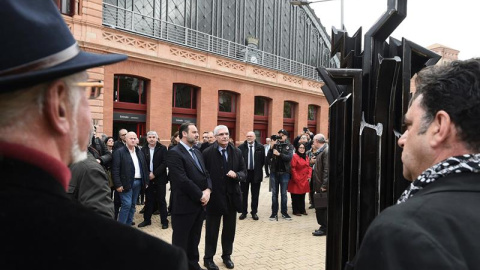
129, 89
227, 111
184, 104
260, 118
313, 111
289, 118
226, 102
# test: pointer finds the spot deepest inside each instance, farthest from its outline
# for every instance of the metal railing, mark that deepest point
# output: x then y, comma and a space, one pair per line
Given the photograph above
120, 18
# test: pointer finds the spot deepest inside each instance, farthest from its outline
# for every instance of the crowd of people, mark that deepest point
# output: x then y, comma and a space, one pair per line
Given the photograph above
205, 191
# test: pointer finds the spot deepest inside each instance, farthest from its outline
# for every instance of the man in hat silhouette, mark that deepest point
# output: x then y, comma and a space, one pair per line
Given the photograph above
45, 126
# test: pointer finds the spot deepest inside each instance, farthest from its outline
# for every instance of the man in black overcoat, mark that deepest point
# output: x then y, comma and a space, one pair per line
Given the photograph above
45, 125
155, 154
227, 169
254, 157
191, 188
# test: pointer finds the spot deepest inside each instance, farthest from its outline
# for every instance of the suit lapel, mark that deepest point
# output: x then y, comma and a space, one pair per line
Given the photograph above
189, 157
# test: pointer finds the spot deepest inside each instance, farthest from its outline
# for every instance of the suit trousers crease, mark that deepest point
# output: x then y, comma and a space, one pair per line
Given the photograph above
155, 194
212, 229
187, 231
255, 188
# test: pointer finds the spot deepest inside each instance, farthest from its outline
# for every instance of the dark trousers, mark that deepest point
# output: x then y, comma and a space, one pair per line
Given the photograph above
310, 194
255, 188
212, 228
155, 194
321, 214
187, 231
298, 203
117, 203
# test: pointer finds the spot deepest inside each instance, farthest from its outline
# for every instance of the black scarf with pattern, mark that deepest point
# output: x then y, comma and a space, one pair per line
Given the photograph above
457, 164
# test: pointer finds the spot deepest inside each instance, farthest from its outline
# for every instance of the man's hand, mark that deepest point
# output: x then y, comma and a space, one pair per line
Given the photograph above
151, 176
323, 189
231, 174
120, 189
205, 197
312, 160
275, 152
99, 161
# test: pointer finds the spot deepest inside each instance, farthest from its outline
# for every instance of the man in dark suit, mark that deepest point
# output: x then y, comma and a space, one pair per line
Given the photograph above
225, 164
44, 101
155, 154
209, 142
191, 188
254, 156
121, 141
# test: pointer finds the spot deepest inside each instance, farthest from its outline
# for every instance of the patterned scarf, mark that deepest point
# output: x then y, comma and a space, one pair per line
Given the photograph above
458, 164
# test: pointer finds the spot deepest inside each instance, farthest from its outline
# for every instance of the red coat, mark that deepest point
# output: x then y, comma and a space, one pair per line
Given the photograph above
301, 172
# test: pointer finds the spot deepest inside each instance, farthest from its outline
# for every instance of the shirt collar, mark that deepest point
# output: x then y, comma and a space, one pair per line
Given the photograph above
186, 146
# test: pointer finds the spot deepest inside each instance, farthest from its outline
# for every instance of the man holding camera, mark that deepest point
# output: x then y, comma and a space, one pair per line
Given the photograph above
280, 155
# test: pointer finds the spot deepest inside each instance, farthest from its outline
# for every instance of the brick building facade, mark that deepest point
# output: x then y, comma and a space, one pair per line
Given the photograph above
168, 84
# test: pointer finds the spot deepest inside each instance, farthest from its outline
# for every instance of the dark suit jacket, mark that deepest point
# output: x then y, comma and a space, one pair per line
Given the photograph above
118, 145
123, 170
159, 163
227, 190
259, 158
438, 228
42, 228
186, 179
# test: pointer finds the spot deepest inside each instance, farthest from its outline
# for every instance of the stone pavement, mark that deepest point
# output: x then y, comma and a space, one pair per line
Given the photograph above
263, 244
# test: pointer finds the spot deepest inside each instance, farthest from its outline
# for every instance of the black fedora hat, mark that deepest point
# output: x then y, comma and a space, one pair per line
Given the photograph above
38, 46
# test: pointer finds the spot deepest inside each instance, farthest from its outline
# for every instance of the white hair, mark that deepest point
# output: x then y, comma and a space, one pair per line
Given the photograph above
217, 128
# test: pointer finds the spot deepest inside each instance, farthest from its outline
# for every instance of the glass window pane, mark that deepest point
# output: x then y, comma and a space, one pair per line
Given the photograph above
260, 106
312, 112
182, 96
130, 90
287, 110
225, 102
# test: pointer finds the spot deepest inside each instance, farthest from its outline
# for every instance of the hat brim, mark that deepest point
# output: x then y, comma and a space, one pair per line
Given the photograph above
82, 61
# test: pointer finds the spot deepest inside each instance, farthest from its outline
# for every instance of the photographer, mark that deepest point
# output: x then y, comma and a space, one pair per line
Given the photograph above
280, 155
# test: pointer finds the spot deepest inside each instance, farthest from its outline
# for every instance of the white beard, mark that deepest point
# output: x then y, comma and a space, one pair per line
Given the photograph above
76, 154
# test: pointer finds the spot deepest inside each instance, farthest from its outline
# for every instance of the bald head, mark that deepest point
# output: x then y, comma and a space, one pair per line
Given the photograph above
131, 140
251, 137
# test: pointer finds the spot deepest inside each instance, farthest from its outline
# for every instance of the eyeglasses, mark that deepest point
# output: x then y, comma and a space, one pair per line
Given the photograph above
123, 134
92, 89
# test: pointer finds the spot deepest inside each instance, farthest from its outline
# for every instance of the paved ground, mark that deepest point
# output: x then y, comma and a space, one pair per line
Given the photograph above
264, 244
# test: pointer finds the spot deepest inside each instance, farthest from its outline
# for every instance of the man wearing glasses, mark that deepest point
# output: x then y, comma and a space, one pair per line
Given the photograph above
121, 142
227, 169
43, 102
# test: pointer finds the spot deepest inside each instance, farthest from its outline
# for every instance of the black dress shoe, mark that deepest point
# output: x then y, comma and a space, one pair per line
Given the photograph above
210, 265
228, 263
144, 224
165, 226
254, 216
319, 233
242, 216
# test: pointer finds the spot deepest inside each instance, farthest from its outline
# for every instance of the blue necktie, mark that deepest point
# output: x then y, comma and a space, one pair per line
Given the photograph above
196, 159
225, 163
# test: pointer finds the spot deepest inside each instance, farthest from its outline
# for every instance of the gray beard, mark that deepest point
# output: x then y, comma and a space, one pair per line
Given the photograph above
76, 154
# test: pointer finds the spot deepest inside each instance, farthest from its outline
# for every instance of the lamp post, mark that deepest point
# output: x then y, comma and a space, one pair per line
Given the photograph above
304, 3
